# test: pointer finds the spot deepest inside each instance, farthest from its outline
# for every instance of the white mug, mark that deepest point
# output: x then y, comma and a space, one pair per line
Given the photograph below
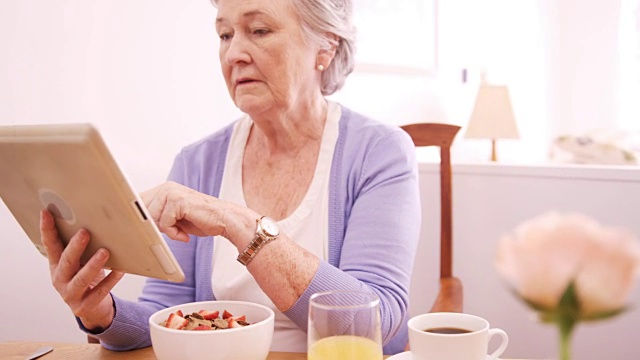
469, 340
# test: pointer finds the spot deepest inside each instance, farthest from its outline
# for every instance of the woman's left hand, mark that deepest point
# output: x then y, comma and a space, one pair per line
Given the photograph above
179, 211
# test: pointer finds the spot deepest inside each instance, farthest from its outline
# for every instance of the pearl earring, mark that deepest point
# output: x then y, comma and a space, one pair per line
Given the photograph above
320, 67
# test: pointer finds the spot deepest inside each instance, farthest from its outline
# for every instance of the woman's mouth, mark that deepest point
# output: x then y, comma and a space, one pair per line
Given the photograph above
245, 82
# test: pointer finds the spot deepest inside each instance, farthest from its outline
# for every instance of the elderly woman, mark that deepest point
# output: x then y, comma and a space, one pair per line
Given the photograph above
340, 190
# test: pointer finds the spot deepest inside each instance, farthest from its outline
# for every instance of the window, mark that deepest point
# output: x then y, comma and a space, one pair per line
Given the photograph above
396, 35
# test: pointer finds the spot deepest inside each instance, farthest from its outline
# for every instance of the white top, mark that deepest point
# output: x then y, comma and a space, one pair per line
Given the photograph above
307, 226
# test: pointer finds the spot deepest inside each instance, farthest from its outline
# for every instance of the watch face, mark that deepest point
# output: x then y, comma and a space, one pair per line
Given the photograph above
269, 226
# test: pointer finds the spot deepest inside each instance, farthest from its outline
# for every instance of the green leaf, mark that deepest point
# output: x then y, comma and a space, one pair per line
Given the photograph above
568, 313
569, 305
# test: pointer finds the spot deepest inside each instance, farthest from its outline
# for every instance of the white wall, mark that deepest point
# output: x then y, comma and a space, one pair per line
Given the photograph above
145, 72
581, 38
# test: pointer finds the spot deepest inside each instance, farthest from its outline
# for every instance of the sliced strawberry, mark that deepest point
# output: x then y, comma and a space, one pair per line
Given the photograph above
176, 322
209, 315
226, 315
202, 327
179, 313
241, 318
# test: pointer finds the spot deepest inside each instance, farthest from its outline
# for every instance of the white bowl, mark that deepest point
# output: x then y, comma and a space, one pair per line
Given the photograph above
246, 343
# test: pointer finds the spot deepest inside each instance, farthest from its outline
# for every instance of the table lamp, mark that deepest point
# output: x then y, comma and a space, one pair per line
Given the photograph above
492, 116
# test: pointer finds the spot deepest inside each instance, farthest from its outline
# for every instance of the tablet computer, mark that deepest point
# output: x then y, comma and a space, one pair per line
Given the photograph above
68, 169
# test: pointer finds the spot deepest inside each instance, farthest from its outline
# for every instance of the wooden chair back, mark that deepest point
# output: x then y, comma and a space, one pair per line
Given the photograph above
450, 296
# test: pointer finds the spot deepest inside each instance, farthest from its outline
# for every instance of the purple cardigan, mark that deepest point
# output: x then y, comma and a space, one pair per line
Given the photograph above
374, 225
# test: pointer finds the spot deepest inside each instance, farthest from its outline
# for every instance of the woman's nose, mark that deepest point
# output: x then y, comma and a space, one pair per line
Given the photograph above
236, 51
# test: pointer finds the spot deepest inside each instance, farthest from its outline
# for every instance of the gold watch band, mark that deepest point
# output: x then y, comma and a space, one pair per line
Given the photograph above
251, 250
261, 239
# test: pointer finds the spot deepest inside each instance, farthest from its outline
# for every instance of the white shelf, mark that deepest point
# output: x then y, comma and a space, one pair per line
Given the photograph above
567, 171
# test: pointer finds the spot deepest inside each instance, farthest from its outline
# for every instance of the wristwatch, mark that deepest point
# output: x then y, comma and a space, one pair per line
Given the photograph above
266, 231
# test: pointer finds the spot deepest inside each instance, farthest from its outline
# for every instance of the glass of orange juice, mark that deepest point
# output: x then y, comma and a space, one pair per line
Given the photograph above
344, 325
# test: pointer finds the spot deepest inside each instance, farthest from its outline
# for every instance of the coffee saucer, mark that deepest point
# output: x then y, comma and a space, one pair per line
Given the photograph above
407, 356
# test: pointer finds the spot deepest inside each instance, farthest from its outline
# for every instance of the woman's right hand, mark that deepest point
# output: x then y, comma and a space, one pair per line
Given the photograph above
84, 288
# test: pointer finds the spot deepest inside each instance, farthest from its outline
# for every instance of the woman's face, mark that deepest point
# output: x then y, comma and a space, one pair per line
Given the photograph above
265, 61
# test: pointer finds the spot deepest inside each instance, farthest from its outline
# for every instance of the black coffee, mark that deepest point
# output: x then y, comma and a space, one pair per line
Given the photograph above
447, 330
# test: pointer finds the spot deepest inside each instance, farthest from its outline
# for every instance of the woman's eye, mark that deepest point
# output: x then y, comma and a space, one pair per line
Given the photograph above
261, 31
225, 36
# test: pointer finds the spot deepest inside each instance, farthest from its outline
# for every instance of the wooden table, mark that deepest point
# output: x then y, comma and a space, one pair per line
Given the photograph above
65, 351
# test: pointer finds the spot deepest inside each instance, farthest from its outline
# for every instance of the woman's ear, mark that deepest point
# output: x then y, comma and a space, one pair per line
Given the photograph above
325, 56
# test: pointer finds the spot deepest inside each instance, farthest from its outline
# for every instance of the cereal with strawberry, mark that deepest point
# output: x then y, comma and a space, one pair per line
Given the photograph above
204, 320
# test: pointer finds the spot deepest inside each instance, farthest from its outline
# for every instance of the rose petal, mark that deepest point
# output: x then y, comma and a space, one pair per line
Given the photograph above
609, 272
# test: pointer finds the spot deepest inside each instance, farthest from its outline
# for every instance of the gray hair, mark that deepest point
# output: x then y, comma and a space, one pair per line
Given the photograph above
321, 17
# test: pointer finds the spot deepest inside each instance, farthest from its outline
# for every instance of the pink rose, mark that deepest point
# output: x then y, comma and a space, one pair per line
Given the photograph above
543, 256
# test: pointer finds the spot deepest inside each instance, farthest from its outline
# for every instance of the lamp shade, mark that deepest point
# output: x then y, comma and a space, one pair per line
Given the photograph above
492, 116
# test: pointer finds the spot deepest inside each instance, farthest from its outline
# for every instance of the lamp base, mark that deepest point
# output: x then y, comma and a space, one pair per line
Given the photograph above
494, 156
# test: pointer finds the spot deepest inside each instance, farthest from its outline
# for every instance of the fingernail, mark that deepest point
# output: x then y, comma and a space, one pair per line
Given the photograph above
102, 254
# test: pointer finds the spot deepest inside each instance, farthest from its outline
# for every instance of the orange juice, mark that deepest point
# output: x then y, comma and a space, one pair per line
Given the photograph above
345, 347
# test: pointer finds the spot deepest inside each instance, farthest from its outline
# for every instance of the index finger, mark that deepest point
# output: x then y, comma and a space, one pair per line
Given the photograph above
148, 195
49, 237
